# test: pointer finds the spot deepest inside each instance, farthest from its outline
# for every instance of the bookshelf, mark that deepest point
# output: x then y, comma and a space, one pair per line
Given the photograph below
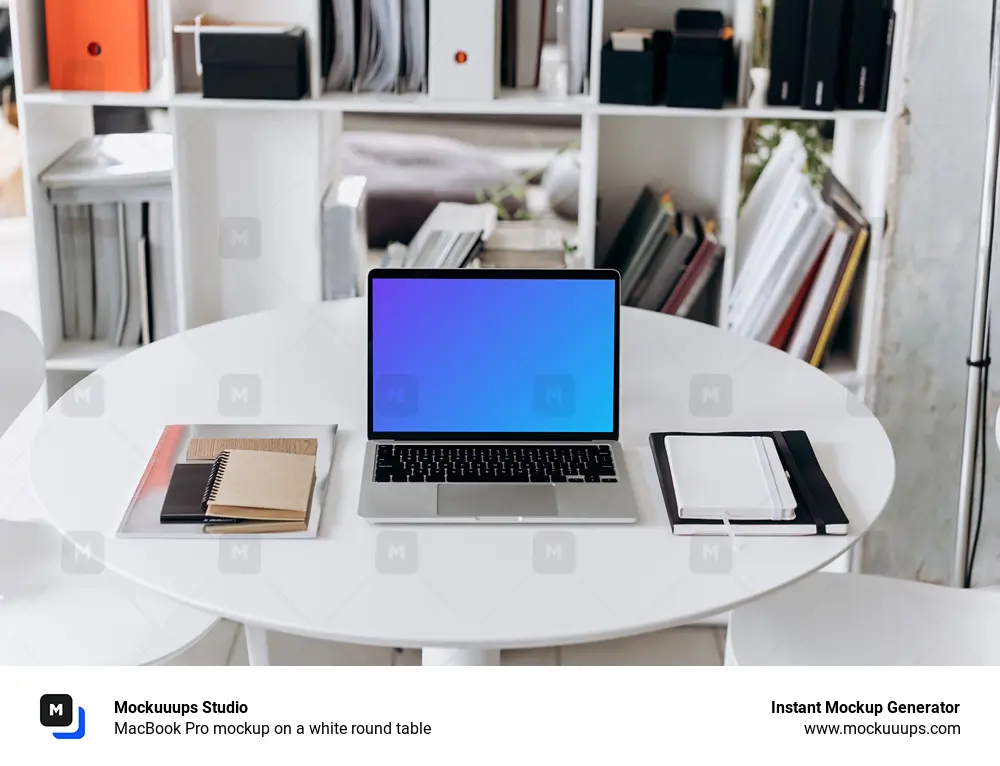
272, 162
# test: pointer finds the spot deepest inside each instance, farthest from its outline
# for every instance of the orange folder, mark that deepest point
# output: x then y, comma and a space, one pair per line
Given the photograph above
98, 45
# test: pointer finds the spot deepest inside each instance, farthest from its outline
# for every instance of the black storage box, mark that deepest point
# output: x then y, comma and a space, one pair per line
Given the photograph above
702, 62
255, 65
634, 77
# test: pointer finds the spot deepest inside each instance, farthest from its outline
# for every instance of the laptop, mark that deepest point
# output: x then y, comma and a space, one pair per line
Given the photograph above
493, 398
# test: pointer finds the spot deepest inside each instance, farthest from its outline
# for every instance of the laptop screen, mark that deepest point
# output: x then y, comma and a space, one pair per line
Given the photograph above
509, 353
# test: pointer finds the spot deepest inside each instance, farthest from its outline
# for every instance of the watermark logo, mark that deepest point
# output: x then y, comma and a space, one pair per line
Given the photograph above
554, 552
56, 711
397, 395
240, 239
85, 399
396, 553
711, 555
711, 396
83, 553
240, 396
240, 556
555, 396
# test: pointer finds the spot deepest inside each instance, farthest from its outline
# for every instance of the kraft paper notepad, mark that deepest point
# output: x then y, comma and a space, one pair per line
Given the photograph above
208, 448
260, 486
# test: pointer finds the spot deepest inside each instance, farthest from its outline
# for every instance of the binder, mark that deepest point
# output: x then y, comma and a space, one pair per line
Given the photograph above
788, 51
463, 47
817, 512
862, 65
822, 61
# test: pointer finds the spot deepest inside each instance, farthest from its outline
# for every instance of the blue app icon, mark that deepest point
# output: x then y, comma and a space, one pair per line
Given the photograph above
56, 712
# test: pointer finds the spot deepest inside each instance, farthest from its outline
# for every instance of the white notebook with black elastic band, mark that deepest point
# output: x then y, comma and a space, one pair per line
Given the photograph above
739, 478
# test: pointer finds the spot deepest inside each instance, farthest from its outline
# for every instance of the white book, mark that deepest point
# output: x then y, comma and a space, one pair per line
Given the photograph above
740, 478
757, 281
803, 257
788, 157
790, 186
812, 312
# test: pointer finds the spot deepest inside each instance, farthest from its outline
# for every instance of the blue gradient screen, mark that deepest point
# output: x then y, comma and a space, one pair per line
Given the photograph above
492, 355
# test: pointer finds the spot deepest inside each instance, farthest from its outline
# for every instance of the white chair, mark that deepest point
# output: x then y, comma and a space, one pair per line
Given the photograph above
53, 609
842, 619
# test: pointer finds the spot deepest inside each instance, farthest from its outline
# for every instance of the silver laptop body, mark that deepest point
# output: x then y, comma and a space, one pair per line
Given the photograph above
422, 465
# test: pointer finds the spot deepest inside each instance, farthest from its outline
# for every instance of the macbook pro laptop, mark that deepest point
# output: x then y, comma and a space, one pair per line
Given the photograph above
493, 397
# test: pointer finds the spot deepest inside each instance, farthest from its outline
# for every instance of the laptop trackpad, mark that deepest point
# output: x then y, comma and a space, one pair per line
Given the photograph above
497, 500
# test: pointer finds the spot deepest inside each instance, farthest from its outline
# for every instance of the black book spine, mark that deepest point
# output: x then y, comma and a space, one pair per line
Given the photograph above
819, 89
890, 37
862, 55
788, 51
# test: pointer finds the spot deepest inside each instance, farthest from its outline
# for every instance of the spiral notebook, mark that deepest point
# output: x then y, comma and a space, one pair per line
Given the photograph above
259, 486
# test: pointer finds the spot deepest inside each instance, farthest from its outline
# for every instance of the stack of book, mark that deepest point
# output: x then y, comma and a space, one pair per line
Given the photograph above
206, 480
451, 237
828, 54
666, 256
801, 251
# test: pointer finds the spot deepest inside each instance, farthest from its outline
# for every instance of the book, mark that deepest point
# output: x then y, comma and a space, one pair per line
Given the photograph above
259, 486
667, 268
801, 259
862, 60
789, 23
840, 300
817, 509
256, 527
788, 322
822, 61
849, 210
755, 486
640, 240
696, 278
814, 309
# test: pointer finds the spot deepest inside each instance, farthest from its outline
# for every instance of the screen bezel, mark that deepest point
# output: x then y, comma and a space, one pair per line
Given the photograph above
470, 274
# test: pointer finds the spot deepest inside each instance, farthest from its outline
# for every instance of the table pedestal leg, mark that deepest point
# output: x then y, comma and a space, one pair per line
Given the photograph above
256, 644
439, 656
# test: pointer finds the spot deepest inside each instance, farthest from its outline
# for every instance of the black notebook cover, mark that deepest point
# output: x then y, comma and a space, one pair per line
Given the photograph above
183, 503
817, 512
788, 51
826, 21
861, 65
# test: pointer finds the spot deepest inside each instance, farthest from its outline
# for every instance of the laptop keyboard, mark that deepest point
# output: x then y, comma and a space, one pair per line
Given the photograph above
495, 463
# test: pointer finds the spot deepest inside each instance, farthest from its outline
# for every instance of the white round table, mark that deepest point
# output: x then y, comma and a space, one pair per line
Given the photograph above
460, 593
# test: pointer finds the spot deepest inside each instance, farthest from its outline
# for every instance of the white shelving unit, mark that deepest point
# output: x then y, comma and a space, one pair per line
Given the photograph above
269, 163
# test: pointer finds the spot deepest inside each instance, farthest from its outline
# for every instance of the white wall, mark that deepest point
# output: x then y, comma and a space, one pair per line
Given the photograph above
921, 369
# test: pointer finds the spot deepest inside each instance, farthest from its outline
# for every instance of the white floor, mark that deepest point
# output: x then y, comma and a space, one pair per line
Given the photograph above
679, 646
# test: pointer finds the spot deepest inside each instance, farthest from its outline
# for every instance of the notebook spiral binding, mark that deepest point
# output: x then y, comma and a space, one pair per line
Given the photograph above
215, 479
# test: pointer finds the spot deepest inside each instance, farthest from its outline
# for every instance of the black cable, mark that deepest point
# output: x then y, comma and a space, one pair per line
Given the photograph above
981, 461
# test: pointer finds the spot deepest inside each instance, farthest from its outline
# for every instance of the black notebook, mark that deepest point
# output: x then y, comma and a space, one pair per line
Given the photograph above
183, 503
818, 512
